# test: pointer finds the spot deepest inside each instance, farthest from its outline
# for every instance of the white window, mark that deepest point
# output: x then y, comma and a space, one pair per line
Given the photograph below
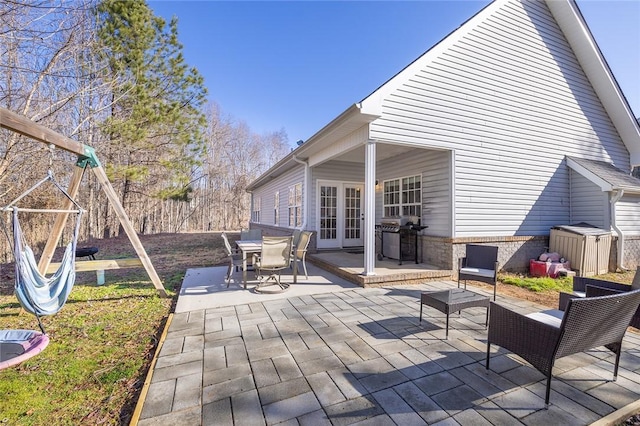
276, 208
295, 205
412, 196
403, 196
391, 199
255, 214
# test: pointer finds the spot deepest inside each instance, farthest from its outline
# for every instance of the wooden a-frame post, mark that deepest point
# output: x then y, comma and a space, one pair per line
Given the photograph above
86, 157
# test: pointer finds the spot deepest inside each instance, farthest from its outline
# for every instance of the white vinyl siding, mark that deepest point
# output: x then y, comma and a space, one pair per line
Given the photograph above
511, 99
589, 203
628, 214
281, 184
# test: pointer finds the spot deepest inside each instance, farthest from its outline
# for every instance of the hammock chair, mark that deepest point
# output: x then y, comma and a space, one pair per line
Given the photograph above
37, 294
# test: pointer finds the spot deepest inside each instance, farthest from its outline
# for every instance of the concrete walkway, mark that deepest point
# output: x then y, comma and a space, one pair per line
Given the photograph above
344, 355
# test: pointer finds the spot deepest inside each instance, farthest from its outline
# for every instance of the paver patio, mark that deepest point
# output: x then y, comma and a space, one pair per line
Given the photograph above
361, 356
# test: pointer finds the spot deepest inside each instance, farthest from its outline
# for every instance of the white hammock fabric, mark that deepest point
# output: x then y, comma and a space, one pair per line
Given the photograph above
38, 294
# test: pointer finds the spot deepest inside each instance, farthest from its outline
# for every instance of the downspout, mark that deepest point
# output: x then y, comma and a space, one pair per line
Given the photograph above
250, 210
305, 198
614, 200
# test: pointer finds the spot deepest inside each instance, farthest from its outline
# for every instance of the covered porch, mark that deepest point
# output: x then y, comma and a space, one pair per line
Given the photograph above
375, 182
349, 265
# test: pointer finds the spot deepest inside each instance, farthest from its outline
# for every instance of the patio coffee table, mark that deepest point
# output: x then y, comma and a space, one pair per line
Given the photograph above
453, 300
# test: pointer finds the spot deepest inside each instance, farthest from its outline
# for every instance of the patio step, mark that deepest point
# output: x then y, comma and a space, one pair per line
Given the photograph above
389, 277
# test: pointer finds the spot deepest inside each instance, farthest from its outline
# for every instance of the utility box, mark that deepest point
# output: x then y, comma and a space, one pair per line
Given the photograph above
586, 247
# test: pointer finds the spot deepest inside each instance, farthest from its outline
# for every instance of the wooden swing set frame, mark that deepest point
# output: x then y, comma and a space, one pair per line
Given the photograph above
86, 158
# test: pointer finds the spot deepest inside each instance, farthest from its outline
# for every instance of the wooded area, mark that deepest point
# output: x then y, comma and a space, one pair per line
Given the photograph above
111, 75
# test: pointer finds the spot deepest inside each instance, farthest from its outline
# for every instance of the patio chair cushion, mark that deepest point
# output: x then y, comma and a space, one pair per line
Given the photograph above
480, 272
552, 317
479, 264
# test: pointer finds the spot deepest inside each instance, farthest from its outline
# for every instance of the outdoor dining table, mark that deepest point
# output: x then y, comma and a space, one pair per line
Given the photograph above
249, 247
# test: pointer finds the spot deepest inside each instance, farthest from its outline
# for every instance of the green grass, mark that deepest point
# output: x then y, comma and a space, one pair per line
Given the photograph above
95, 361
103, 339
539, 284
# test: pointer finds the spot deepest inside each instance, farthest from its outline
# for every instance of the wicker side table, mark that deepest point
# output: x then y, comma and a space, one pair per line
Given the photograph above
453, 300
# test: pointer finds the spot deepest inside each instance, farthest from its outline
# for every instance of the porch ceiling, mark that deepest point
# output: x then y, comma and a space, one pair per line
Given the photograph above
383, 152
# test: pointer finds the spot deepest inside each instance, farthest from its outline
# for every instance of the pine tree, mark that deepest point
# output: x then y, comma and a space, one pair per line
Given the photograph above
154, 131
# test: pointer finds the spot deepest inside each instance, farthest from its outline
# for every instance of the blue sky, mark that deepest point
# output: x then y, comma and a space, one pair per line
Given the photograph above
297, 65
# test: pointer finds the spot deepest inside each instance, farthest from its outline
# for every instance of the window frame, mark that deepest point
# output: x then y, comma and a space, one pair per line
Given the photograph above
295, 205
276, 208
256, 207
402, 197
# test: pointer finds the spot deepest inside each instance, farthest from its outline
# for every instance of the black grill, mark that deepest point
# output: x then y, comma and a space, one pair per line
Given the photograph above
398, 241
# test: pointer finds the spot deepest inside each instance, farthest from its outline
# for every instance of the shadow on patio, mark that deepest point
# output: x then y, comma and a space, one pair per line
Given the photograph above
361, 355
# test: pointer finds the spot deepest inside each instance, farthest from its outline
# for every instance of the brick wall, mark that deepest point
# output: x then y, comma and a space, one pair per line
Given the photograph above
513, 253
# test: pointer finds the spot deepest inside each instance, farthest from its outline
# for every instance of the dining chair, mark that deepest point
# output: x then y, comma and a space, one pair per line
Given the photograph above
275, 256
299, 252
234, 256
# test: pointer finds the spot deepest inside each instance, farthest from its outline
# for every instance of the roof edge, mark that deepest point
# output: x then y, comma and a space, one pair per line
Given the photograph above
588, 174
568, 16
352, 113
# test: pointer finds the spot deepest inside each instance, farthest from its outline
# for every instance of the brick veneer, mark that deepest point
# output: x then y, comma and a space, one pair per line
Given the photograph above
513, 254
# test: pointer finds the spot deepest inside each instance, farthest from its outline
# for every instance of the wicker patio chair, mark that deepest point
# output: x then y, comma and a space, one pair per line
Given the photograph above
479, 264
233, 256
274, 257
591, 287
299, 252
543, 337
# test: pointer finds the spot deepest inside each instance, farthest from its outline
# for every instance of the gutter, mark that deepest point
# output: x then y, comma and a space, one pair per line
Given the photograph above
620, 261
305, 198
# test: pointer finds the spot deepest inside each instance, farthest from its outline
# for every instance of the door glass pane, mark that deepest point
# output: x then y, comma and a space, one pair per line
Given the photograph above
352, 213
328, 214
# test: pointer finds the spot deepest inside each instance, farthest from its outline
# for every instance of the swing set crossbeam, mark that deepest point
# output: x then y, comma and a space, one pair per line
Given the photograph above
86, 157
21, 209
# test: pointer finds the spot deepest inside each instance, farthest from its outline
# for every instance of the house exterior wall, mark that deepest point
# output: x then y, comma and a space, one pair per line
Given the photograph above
628, 215
493, 110
589, 203
511, 100
267, 196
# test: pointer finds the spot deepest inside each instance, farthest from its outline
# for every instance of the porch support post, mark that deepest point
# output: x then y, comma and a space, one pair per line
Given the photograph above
369, 208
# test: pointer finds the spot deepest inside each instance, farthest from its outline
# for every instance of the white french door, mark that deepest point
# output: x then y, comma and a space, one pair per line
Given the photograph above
339, 214
353, 214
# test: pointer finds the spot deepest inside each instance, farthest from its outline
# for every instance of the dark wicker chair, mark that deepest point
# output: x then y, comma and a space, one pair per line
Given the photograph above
591, 287
479, 264
543, 337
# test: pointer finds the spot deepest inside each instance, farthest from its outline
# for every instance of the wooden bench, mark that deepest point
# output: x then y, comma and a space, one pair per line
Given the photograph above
100, 266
